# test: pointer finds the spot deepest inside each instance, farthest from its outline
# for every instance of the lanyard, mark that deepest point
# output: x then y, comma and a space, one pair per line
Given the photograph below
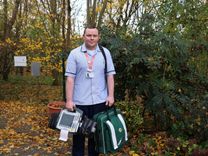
90, 62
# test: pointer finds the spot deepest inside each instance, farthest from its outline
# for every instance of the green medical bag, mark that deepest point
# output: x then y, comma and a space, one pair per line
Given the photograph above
111, 131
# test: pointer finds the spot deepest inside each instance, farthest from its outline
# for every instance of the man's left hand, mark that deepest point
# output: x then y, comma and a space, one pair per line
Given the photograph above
110, 101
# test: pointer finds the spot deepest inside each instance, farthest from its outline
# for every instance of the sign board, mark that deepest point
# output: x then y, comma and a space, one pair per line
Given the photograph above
35, 68
20, 61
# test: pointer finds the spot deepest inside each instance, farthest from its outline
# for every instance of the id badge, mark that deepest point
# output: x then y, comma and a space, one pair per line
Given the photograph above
90, 75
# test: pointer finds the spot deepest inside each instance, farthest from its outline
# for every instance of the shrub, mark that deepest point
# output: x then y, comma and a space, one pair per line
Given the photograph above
157, 67
132, 114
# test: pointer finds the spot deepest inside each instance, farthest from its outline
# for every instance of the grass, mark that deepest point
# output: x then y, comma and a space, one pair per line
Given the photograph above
29, 80
29, 88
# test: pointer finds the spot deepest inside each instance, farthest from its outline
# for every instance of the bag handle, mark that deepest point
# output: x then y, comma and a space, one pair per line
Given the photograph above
108, 110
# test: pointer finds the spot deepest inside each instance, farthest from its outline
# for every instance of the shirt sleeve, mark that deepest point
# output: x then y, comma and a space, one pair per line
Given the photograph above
71, 65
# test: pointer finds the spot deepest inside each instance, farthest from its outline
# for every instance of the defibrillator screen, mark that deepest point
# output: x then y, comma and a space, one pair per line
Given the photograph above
66, 120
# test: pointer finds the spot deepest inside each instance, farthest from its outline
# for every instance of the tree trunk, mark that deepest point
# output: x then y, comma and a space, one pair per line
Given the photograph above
63, 16
8, 24
7, 53
95, 17
68, 35
5, 15
55, 75
88, 11
102, 13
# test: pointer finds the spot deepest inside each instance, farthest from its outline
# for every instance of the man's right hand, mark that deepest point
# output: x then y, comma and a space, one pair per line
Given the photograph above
70, 105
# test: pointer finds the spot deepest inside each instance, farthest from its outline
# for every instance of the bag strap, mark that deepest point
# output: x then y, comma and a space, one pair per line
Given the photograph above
103, 52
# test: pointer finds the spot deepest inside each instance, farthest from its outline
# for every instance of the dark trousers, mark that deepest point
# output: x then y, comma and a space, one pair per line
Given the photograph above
79, 139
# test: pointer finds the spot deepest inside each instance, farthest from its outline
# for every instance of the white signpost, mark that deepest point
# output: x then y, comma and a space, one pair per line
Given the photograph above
20, 61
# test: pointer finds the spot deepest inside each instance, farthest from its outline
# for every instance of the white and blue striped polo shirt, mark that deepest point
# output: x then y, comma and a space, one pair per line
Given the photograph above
89, 91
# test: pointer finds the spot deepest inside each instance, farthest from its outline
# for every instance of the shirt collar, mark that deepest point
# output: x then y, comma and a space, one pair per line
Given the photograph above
84, 49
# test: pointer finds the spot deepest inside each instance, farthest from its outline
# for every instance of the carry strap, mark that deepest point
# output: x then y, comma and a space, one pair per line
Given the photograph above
103, 52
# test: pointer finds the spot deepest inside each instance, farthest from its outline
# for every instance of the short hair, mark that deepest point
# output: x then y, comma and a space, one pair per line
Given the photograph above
91, 26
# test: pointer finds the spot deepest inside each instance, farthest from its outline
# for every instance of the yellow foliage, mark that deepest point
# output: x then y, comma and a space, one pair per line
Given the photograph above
39, 25
98, 8
9, 41
109, 6
24, 40
131, 152
46, 52
122, 2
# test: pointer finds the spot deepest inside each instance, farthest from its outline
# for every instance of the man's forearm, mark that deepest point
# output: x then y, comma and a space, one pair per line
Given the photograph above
110, 81
69, 88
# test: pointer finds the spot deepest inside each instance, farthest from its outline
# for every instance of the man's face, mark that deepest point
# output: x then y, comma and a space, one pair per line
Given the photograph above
91, 38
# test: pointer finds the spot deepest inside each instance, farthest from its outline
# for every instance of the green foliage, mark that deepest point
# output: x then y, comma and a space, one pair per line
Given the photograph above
180, 146
159, 66
132, 114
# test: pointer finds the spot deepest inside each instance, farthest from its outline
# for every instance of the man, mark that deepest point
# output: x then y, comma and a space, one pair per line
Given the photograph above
86, 86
